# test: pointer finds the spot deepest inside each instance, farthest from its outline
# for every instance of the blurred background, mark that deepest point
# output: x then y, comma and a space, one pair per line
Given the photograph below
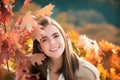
97, 19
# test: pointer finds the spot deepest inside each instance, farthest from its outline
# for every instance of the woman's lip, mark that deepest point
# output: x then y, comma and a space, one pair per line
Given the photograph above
54, 49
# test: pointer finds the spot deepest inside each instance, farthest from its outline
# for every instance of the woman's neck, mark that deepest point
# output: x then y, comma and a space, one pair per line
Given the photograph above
54, 64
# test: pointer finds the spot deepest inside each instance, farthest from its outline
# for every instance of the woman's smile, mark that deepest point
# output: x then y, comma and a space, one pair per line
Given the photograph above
54, 49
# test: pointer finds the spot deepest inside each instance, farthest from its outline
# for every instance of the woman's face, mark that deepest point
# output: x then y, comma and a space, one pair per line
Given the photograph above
52, 42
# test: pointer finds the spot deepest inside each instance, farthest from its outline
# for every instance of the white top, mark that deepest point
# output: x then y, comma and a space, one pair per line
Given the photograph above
48, 75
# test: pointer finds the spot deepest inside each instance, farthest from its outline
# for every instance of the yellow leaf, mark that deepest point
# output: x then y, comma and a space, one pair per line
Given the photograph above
74, 36
112, 70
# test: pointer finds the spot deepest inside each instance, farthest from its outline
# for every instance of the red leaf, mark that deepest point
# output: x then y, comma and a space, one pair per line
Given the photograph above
5, 17
20, 71
13, 38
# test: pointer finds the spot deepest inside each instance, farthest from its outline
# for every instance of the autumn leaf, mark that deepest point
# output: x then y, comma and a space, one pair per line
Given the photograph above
5, 52
114, 62
74, 36
46, 11
105, 45
37, 58
29, 20
9, 6
21, 71
8, 20
6, 13
13, 40
3, 13
37, 32
5, 1
88, 44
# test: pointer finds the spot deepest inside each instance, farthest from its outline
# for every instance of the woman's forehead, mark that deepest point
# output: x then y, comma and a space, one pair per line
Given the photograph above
51, 28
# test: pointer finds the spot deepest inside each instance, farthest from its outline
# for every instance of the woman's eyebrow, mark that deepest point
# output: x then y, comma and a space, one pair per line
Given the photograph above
54, 33
43, 37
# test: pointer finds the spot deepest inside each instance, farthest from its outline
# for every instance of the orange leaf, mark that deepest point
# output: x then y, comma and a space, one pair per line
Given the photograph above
13, 38
28, 21
37, 58
5, 1
46, 11
74, 36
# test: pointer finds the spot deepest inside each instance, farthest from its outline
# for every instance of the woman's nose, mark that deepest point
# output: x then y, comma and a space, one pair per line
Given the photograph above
52, 42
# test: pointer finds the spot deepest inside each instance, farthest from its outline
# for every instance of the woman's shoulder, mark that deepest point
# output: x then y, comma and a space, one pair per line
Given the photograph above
87, 70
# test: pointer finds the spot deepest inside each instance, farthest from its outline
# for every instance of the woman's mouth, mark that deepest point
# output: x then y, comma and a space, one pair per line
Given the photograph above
54, 49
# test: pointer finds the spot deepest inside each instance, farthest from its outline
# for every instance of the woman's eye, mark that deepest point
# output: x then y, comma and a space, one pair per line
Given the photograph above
43, 40
55, 36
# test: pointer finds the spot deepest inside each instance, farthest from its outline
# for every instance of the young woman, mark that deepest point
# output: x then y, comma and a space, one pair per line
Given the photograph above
61, 62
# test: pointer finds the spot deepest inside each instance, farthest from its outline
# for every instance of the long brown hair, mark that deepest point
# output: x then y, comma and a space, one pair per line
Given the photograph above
70, 60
